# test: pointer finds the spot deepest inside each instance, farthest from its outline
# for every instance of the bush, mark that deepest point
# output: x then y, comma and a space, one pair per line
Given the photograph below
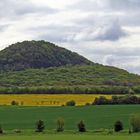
14, 103
101, 100
1, 130
118, 126
87, 104
71, 103
135, 122
81, 126
40, 126
60, 125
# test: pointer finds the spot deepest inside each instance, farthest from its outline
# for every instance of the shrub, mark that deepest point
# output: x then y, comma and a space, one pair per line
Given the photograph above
60, 125
135, 122
129, 131
1, 130
118, 126
40, 126
71, 103
14, 103
101, 100
81, 126
87, 104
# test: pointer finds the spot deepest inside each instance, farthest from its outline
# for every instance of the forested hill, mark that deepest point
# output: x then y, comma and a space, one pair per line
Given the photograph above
42, 67
91, 79
70, 76
37, 54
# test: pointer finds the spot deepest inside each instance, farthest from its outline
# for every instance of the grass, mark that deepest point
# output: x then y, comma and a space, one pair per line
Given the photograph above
71, 137
95, 117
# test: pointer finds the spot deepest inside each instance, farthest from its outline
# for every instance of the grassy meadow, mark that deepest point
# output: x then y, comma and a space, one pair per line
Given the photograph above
48, 99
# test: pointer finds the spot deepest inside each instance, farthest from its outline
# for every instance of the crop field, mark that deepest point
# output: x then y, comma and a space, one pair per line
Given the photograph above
48, 99
99, 121
95, 117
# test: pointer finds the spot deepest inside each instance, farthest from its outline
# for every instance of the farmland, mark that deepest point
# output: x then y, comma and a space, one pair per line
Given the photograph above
95, 117
48, 99
98, 119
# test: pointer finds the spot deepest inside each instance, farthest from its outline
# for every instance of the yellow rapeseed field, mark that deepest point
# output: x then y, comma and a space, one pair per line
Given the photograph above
49, 99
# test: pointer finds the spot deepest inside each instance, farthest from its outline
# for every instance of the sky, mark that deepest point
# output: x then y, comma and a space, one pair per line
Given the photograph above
104, 31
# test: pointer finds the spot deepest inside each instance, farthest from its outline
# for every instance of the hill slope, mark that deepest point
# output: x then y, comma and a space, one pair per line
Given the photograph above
83, 79
69, 76
37, 54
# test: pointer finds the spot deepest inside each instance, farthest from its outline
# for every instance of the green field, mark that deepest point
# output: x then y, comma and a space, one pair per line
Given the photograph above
72, 137
98, 119
95, 117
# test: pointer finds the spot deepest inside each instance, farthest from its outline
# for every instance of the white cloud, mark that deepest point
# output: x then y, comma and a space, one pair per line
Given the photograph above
105, 31
111, 31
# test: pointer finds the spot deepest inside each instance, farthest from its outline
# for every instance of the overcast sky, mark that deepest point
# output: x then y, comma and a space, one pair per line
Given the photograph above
104, 31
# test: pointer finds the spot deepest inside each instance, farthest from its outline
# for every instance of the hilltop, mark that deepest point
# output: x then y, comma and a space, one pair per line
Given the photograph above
37, 54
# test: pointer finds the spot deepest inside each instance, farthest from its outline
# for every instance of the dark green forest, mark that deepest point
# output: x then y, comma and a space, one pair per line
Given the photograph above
37, 54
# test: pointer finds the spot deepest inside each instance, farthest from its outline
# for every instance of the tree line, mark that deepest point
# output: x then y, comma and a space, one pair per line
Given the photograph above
80, 89
60, 123
129, 99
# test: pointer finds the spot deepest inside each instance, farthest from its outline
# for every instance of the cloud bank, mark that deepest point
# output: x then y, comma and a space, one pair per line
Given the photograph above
104, 31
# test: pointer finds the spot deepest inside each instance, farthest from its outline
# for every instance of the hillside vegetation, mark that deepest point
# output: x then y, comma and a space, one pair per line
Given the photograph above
69, 79
37, 54
42, 67
69, 76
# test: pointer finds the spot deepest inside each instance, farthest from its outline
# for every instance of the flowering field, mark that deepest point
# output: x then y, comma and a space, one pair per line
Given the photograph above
49, 99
